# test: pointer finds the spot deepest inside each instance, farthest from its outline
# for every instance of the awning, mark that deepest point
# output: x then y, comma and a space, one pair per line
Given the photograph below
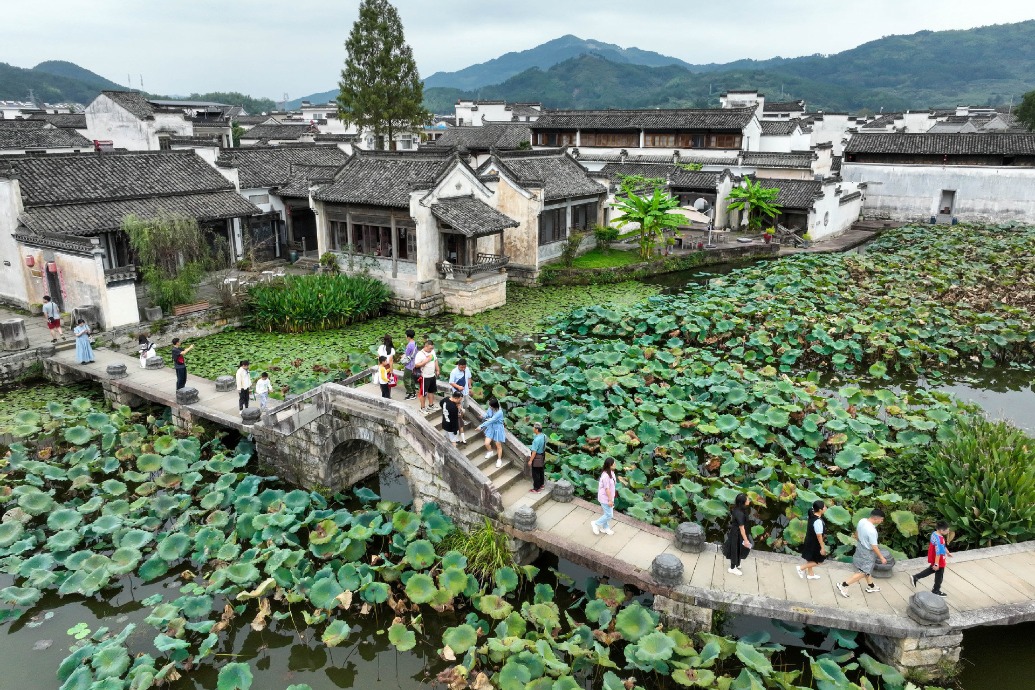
468, 216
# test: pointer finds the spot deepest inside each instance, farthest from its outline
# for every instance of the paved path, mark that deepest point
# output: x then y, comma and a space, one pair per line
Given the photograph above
36, 326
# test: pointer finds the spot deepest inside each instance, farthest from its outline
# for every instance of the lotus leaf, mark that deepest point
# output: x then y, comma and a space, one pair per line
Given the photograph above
506, 580
336, 633
365, 495
64, 540
78, 435
461, 638
152, 569
134, 539
173, 547
36, 502
837, 515
110, 662
889, 674
420, 554
406, 523
634, 621
174, 464
905, 521
753, 659
494, 606
323, 532
454, 559
20, 596
106, 524
234, 676
402, 637
324, 592
453, 581
149, 462
124, 560
10, 532
420, 588
375, 593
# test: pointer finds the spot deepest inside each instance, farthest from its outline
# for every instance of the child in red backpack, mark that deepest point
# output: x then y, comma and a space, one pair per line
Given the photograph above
937, 552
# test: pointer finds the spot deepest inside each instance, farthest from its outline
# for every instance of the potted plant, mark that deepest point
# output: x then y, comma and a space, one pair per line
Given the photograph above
768, 235
808, 239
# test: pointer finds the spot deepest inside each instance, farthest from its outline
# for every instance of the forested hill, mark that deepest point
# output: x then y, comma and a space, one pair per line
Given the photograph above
54, 81
987, 65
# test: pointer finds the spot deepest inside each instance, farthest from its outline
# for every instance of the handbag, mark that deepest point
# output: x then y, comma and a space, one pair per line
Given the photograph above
393, 380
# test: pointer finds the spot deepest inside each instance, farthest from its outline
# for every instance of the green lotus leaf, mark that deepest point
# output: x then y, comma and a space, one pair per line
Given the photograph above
828, 670
453, 580
336, 633
598, 613
366, 495
91, 506
96, 420
406, 523
149, 462
837, 515
152, 569
348, 577
112, 661
36, 502
164, 445
754, 659
28, 417
10, 532
634, 621
80, 678
323, 593
437, 526
20, 596
420, 554
420, 588
514, 675
454, 559
125, 560
213, 499
106, 524
889, 674
494, 606
173, 547
174, 464
544, 616
296, 501
78, 435
234, 676
905, 521
65, 540
135, 539
711, 508
323, 532
727, 423
242, 573
461, 638
402, 637
375, 593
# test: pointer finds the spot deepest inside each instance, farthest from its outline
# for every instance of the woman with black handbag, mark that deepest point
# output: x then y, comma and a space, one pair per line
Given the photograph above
737, 545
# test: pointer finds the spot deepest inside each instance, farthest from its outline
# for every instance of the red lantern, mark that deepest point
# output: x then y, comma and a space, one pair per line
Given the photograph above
52, 267
30, 261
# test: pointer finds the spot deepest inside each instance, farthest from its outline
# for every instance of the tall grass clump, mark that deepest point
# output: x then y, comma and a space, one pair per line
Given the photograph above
485, 549
299, 304
983, 482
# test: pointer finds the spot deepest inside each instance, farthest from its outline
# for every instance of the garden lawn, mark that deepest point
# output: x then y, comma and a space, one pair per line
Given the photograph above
607, 258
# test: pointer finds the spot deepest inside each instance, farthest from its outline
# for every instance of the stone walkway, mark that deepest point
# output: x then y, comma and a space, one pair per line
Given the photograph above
36, 326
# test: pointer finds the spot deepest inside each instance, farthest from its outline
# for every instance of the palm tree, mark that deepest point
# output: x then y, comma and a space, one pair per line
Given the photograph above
757, 201
653, 213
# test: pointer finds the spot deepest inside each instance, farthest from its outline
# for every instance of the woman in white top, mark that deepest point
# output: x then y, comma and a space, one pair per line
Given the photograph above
386, 349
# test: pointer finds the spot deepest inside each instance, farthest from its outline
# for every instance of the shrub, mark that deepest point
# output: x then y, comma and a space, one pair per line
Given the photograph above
605, 236
485, 548
329, 262
318, 302
983, 482
570, 248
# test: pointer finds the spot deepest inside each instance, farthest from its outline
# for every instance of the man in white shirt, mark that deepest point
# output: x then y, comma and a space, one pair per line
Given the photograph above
262, 390
244, 385
427, 364
867, 553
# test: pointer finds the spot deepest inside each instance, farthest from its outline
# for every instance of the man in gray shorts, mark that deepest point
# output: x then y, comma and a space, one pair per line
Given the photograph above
867, 553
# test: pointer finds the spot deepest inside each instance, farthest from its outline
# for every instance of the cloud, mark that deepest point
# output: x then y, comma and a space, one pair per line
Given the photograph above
271, 47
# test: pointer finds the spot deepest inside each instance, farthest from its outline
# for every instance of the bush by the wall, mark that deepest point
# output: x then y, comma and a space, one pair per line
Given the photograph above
983, 483
314, 303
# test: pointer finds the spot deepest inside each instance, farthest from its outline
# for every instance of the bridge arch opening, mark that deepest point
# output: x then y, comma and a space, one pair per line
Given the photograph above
358, 460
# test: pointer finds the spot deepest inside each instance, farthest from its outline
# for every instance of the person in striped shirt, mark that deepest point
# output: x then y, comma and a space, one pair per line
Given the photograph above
937, 552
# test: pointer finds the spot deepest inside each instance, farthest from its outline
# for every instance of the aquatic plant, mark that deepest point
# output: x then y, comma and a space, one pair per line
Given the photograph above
298, 304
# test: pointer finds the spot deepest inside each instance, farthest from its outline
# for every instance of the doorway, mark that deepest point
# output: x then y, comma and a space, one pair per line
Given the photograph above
947, 206
455, 249
54, 285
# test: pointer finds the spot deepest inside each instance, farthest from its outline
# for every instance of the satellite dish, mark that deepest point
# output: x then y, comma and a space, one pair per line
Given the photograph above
702, 205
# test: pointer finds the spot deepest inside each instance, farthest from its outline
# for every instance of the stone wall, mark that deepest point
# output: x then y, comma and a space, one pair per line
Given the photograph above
17, 365
161, 332
683, 615
924, 658
482, 292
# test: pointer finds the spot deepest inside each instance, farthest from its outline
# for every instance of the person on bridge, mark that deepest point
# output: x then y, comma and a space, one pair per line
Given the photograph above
737, 543
408, 360
262, 390
606, 491
83, 349
867, 553
495, 432
383, 376
244, 385
53, 315
814, 550
146, 349
451, 415
460, 381
427, 365
937, 552
537, 458
179, 362
387, 349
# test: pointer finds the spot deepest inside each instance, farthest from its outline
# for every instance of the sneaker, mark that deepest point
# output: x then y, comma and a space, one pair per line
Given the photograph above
801, 573
596, 530
872, 589
941, 594
609, 531
735, 571
912, 581
843, 589
812, 577
499, 464
489, 454
424, 411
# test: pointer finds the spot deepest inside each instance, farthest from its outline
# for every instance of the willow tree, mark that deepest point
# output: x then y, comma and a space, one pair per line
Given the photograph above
380, 89
172, 255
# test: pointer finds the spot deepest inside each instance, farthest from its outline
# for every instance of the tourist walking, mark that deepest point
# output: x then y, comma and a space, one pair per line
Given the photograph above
146, 349
814, 550
492, 425
426, 364
737, 544
53, 316
451, 417
180, 362
537, 458
606, 491
83, 349
262, 390
409, 355
460, 381
244, 384
867, 553
937, 552
382, 376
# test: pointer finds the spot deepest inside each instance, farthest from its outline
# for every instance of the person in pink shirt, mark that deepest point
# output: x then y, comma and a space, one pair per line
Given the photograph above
606, 495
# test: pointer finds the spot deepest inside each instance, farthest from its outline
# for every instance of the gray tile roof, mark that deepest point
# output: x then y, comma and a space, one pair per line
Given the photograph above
78, 178
471, 217
302, 177
279, 132
794, 194
385, 178
882, 121
194, 141
591, 156
504, 136
678, 177
835, 164
20, 138
96, 217
268, 166
63, 120
785, 107
794, 159
134, 102
557, 173
779, 127
734, 119
964, 144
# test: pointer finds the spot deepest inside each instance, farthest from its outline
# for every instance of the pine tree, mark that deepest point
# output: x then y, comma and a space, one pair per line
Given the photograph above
380, 88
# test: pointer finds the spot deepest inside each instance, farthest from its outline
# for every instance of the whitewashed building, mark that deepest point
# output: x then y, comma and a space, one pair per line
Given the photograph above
473, 113
131, 121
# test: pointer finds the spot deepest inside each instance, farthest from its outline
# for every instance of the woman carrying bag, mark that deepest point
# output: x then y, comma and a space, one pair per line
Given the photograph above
737, 545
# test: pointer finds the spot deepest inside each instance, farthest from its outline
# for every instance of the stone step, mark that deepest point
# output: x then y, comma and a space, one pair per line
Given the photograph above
519, 493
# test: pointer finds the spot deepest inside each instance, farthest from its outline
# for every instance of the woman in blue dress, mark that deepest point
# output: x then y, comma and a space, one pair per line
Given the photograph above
492, 425
83, 351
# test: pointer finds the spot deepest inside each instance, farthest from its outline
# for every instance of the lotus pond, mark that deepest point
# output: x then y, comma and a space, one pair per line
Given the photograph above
188, 571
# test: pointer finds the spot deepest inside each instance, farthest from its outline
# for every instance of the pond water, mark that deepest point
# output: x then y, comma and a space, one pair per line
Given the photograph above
993, 658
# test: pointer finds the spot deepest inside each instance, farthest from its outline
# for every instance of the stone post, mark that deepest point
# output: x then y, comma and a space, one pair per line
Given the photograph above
14, 335
933, 653
153, 313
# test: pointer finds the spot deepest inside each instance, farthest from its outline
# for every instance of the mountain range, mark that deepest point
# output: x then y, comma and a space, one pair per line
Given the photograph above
991, 65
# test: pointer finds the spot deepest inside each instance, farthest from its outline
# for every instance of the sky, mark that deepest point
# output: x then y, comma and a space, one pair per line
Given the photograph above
276, 47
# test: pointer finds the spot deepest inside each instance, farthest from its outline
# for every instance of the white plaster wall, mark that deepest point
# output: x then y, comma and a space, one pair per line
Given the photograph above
913, 192
752, 136
105, 119
12, 277
775, 144
917, 122
832, 129
829, 217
